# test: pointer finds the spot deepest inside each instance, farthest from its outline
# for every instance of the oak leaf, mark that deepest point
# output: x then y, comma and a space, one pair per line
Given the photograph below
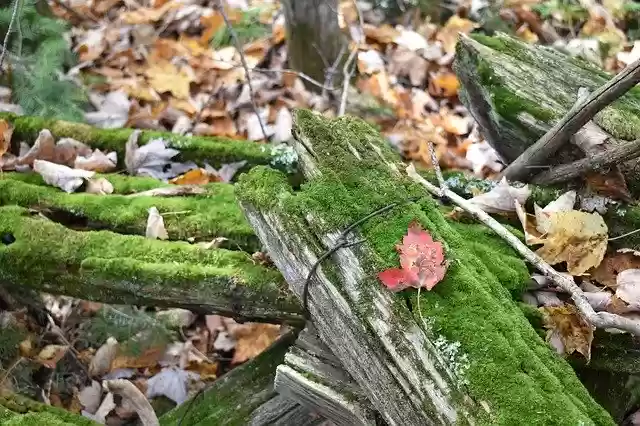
422, 262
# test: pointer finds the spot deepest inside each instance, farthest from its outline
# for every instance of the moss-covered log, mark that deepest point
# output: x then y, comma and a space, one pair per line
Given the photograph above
126, 269
245, 396
214, 150
516, 92
469, 355
16, 410
200, 217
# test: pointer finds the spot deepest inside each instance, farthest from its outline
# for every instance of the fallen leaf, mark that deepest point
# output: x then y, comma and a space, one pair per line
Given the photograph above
528, 221
224, 342
283, 125
107, 405
215, 243
421, 259
614, 263
113, 111
51, 354
227, 171
370, 61
165, 77
406, 63
6, 131
171, 382
444, 84
578, 238
568, 331
564, 203
197, 176
482, 155
251, 339
448, 34
97, 162
502, 198
63, 177
101, 362
43, 149
411, 40
90, 397
99, 186
610, 184
152, 159
628, 286
148, 359
155, 225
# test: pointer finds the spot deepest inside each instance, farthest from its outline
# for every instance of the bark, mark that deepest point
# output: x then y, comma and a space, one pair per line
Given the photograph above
442, 361
517, 92
314, 39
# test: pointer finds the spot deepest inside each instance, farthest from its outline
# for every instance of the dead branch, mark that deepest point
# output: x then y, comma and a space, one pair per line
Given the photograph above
619, 153
597, 319
575, 118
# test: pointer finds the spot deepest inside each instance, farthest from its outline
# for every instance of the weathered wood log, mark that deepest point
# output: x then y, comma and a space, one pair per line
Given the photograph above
245, 396
517, 92
126, 269
466, 353
214, 150
16, 410
312, 376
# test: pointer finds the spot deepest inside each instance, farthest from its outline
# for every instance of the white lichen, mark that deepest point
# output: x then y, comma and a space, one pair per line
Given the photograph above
283, 157
457, 361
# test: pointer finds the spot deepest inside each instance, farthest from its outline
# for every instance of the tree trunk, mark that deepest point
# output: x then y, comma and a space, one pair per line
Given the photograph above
465, 353
314, 40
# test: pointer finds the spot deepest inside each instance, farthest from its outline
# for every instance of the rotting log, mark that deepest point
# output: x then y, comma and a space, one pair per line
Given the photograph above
465, 354
215, 213
245, 396
516, 92
312, 376
127, 269
214, 150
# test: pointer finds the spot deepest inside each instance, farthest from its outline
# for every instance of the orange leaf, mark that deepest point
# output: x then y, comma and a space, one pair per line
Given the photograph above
444, 84
193, 177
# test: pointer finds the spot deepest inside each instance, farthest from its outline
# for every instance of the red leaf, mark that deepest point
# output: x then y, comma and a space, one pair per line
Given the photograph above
421, 260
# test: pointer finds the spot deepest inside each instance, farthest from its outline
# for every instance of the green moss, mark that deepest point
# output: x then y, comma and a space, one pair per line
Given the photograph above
509, 366
101, 265
27, 412
214, 150
202, 217
233, 397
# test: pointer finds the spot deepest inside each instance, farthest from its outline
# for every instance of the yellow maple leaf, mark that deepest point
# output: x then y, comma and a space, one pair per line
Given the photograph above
448, 35
575, 237
568, 331
165, 77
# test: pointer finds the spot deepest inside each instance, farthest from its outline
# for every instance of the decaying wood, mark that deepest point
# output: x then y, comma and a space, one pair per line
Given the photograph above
312, 376
393, 358
516, 94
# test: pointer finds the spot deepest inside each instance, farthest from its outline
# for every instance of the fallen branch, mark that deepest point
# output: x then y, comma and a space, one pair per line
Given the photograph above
575, 118
597, 319
347, 70
613, 155
130, 393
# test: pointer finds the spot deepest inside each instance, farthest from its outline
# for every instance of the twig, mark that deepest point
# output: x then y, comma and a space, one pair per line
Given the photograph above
577, 117
619, 153
236, 41
5, 43
628, 234
597, 319
347, 70
130, 393
436, 167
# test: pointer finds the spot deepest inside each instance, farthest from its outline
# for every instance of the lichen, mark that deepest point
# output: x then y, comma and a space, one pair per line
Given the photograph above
510, 367
126, 269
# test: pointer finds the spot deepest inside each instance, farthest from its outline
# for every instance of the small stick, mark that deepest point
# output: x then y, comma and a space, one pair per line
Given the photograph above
347, 71
436, 167
236, 41
597, 319
577, 117
619, 153
5, 43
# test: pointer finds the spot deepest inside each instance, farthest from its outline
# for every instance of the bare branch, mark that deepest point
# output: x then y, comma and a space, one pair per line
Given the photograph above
5, 43
347, 70
619, 153
575, 118
236, 41
597, 319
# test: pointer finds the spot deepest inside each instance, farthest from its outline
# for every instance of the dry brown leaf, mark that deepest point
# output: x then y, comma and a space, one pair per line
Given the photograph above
610, 184
99, 186
628, 286
575, 237
613, 263
63, 177
148, 359
406, 63
165, 77
43, 149
101, 361
193, 177
444, 84
456, 124
212, 24
252, 339
448, 35
568, 331
144, 15
97, 162
6, 131
51, 354
383, 34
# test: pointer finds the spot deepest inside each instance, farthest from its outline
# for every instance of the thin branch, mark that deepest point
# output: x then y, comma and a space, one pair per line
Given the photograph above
236, 41
347, 70
597, 319
619, 153
5, 43
577, 117
436, 167
628, 234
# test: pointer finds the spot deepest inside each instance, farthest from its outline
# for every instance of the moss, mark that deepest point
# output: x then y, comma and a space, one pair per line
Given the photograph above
214, 150
233, 397
510, 366
101, 265
202, 217
27, 412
